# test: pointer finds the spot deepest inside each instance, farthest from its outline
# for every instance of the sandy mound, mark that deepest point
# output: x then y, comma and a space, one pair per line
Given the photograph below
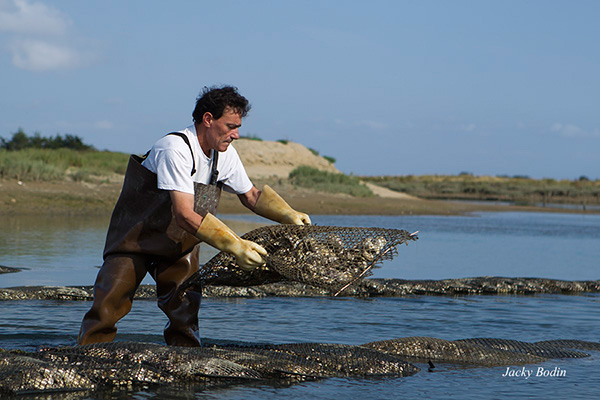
384, 192
265, 159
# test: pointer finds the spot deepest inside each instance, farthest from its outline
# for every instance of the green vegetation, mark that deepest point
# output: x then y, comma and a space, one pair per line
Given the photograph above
518, 189
39, 158
21, 141
324, 181
251, 137
283, 141
58, 164
316, 153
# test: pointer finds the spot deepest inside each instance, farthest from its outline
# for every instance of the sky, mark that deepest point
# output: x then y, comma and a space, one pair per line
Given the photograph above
384, 87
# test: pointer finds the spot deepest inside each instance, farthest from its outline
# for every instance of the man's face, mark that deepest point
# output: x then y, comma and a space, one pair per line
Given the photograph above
221, 132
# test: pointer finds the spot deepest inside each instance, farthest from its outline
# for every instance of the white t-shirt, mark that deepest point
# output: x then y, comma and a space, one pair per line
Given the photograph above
171, 160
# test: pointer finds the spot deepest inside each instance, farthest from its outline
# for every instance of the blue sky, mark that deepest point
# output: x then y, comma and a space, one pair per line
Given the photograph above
384, 87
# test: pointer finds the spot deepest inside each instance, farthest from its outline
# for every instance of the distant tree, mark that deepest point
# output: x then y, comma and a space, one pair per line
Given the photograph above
21, 141
38, 142
75, 143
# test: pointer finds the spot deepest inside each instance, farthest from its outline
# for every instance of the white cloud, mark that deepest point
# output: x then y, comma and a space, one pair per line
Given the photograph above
39, 37
104, 124
23, 17
39, 55
572, 131
468, 127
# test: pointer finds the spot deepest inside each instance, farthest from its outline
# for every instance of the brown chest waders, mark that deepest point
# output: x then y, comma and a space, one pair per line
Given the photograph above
143, 237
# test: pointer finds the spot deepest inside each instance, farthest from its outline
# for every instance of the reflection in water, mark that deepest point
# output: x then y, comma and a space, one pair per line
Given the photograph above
57, 251
53, 249
64, 251
67, 250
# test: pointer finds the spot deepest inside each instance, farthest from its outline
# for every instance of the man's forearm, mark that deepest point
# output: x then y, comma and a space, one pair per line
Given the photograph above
250, 198
183, 209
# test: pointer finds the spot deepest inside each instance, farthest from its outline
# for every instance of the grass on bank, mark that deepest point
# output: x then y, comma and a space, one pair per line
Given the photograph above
323, 181
515, 189
34, 164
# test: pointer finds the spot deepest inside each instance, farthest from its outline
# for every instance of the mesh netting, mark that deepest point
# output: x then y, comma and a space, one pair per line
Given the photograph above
484, 352
328, 257
320, 360
570, 344
516, 346
126, 364
116, 365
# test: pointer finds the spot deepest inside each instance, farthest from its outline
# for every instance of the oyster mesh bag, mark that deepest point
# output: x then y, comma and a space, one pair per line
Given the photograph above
134, 366
328, 257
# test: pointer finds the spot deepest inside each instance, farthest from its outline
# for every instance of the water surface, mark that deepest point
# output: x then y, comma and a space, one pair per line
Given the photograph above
61, 251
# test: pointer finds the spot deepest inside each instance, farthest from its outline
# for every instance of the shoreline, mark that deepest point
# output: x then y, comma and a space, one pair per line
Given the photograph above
86, 199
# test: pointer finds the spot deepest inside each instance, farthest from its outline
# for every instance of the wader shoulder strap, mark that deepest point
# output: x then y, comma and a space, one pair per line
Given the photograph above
214, 173
187, 141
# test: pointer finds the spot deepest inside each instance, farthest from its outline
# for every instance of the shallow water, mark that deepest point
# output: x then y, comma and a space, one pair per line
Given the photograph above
67, 251
562, 246
29, 325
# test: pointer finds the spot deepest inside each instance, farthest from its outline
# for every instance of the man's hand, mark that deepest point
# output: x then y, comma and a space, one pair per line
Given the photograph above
248, 255
270, 205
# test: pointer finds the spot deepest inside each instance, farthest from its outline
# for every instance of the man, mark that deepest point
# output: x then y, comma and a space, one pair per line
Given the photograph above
167, 207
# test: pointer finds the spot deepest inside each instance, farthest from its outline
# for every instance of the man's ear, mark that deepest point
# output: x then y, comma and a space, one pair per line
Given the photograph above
207, 119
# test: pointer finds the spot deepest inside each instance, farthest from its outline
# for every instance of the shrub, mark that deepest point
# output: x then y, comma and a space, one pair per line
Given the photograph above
330, 159
251, 137
324, 181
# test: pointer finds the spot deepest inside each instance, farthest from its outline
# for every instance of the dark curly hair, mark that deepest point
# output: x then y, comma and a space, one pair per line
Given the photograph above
216, 99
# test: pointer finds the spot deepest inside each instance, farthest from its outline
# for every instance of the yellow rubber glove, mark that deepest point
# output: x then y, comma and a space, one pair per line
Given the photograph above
270, 205
248, 255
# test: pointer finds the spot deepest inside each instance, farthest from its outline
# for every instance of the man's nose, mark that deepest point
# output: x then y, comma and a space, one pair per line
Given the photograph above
235, 133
